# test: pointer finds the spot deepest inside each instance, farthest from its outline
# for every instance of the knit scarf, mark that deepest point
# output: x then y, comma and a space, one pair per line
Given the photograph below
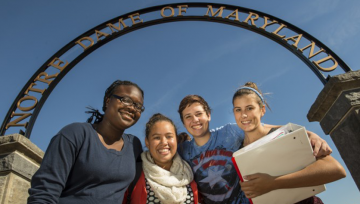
168, 186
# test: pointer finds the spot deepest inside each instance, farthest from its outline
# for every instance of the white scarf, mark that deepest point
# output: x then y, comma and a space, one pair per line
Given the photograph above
168, 186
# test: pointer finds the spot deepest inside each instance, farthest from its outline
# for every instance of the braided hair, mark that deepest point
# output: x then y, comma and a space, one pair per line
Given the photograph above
108, 93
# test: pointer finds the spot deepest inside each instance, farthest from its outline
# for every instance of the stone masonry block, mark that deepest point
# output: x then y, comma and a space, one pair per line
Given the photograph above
23, 145
344, 104
19, 164
330, 93
4, 177
19, 160
346, 137
16, 190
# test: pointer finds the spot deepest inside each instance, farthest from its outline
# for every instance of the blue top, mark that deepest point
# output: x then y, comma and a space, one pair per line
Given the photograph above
214, 171
78, 168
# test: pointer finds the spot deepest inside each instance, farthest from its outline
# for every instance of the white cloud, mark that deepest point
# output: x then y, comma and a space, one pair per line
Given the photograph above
226, 47
344, 27
276, 75
167, 96
308, 11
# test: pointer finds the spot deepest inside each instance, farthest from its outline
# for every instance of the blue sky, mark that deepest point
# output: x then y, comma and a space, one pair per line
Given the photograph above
172, 60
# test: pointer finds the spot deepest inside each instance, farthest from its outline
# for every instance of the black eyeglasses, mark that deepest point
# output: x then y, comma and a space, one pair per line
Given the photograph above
129, 102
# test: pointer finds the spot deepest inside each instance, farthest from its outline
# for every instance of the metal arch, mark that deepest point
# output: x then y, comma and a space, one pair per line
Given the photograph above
71, 44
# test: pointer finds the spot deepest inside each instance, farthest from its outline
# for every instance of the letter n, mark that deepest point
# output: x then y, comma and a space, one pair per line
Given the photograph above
17, 120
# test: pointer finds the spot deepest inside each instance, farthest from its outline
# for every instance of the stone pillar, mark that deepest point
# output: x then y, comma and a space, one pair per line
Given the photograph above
19, 160
337, 108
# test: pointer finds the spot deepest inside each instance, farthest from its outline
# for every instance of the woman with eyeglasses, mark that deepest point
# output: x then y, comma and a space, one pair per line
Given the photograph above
93, 163
166, 178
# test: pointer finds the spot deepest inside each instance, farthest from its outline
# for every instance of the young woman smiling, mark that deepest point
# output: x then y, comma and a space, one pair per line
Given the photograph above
209, 153
166, 178
249, 108
93, 163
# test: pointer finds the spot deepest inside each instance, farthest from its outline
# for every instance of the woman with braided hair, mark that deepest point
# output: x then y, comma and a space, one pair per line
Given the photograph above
93, 163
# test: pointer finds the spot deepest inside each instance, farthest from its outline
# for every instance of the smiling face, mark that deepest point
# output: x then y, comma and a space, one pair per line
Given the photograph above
162, 144
196, 121
117, 113
248, 112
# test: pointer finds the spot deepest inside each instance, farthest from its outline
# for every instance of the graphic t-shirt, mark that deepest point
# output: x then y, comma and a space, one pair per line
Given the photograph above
214, 172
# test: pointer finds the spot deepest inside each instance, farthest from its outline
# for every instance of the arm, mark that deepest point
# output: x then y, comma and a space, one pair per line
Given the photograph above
324, 170
320, 146
49, 181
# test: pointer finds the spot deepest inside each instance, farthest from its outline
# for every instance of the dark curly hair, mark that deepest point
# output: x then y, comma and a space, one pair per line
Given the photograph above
108, 93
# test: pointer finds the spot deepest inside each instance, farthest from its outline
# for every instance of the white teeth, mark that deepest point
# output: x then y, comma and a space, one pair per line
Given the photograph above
163, 150
197, 126
127, 114
245, 122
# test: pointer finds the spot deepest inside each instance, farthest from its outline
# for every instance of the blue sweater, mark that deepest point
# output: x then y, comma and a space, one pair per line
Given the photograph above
78, 168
